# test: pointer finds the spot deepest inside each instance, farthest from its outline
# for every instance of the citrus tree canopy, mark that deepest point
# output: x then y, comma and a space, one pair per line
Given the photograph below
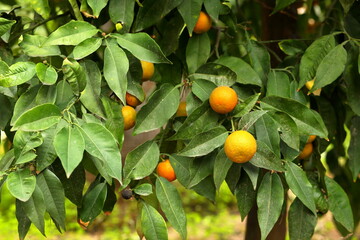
261, 95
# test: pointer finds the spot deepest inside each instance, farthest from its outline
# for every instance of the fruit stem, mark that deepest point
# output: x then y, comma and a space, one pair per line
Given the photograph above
232, 125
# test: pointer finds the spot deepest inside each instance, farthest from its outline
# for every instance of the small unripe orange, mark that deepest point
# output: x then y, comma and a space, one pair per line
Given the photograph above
165, 170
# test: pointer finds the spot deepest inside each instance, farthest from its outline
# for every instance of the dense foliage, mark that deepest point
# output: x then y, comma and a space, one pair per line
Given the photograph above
66, 67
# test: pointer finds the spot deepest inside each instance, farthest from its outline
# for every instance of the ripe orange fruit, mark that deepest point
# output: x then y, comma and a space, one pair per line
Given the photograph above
132, 100
311, 139
203, 23
223, 99
129, 115
181, 111
240, 146
306, 152
148, 70
165, 170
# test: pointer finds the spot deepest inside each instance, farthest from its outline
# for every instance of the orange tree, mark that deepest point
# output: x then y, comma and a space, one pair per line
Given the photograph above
67, 66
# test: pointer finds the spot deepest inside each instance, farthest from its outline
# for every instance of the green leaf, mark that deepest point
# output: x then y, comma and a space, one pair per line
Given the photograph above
252, 172
278, 84
216, 73
280, 4
116, 66
97, 6
202, 89
259, 58
330, 68
69, 146
197, 51
141, 161
64, 94
46, 153
270, 198
206, 188
17, 74
86, 47
122, 11
351, 76
213, 8
24, 222
245, 107
35, 209
144, 189
72, 33
5, 25
161, 106
245, 74
205, 142
245, 195
53, 193
313, 56
111, 200
190, 11
152, 12
152, 223
300, 185
7, 160
353, 150
250, 119
142, 46
288, 129
265, 158
308, 121
38, 118
267, 132
201, 119
33, 45
302, 221
170, 203
41, 7
114, 119
90, 97
221, 168
21, 184
24, 146
46, 74
346, 4
233, 176
6, 111
292, 46
100, 143
339, 204
74, 73
93, 203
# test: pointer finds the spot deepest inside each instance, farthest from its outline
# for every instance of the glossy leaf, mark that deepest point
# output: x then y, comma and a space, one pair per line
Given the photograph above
21, 184
202, 89
353, 150
24, 222
221, 168
330, 68
33, 45
259, 59
41, 7
346, 4
93, 203
300, 185
205, 142
86, 47
170, 203
46, 153
100, 143
245, 107
141, 161
116, 66
307, 120
197, 51
267, 132
313, 56
35, 209
54, 196
24, 146
152, 223
69, 145
249, 119
265, 158
161, 106
90, 97
114, 119
339, 204
280, 4
245, 74
72, 33
64, 94
97, 6
302, 221
5, 25
38, 118
74, 73
122, 11
292, 46
245, 195
216, 73
270, 198
190, 11
16, 74
144, 189
46, 74
206, 188
278, 84
142, 46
